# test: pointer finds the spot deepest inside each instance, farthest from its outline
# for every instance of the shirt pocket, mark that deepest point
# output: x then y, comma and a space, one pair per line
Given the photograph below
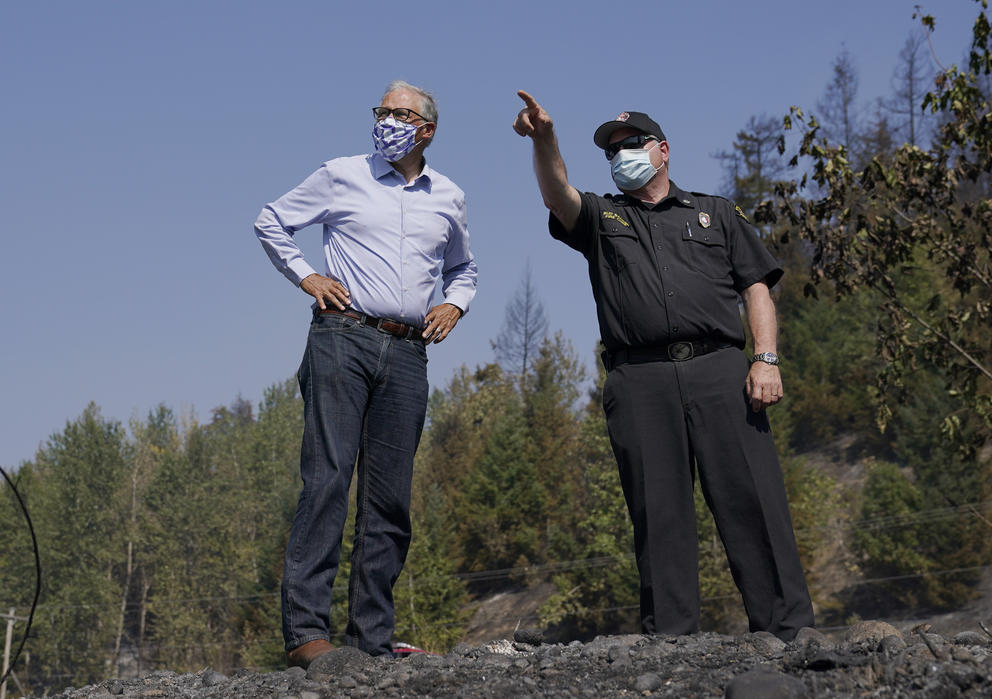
706, 251
620, 247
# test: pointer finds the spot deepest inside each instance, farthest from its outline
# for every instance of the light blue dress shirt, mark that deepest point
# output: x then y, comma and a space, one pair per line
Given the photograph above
386, 241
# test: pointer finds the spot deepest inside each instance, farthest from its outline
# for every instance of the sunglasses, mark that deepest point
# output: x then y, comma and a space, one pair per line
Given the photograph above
637, 141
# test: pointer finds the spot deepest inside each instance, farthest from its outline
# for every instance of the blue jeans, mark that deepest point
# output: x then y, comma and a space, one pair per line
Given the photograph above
365, 398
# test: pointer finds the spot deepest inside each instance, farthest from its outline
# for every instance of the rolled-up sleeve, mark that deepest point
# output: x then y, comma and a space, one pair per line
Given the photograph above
459, 272
303, 206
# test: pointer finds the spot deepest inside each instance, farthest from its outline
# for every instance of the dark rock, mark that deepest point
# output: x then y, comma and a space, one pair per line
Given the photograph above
294, 673
765, 684
809, 636
534, 637
870, 632
765, 642
461, 650
648, 682
618, 654
971, 638
962, 655
337, 663
891, 645
651, 653
211, 678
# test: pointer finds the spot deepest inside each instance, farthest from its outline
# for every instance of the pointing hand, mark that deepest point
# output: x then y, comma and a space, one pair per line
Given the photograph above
532, 120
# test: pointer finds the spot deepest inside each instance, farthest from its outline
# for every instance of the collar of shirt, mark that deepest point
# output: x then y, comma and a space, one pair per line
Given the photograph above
382, 168
680, 196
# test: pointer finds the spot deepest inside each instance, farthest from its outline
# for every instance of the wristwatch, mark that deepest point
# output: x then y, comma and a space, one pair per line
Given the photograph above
766, 357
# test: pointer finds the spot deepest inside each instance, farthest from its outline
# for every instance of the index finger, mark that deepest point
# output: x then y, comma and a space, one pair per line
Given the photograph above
528, 100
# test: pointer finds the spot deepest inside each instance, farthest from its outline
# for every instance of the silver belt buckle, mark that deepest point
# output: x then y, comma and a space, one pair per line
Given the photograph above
680, 351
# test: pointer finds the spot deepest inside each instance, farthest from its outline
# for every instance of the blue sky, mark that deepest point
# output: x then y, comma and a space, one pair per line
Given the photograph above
141, 139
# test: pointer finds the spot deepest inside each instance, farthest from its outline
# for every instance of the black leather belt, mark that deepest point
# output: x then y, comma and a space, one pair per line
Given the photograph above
675, 352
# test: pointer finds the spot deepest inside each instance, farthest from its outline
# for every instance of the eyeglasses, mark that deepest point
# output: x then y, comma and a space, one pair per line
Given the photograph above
637, 141
400, 114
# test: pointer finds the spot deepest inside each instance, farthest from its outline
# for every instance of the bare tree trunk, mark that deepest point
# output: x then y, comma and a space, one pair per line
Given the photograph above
143, 613
127, 577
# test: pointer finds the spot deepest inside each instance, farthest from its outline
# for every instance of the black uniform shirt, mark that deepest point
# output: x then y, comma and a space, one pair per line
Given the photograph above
668, 272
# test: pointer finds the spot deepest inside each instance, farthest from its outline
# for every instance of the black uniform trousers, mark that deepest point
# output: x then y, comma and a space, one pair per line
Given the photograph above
666, 417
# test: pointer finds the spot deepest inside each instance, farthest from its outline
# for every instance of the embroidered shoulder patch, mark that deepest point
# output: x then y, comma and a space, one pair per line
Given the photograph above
615, 217
740, 213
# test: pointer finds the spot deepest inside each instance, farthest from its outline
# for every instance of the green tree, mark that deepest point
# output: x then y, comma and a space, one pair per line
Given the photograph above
503, 501
911, 229
79, 508
599, 593
430, 597
551, 392
877, 227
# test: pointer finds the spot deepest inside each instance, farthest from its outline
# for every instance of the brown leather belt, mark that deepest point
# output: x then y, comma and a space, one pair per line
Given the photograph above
675, 352
407, 332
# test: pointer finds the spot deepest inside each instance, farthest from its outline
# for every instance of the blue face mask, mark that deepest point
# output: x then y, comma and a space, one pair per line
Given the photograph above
394, 139
632, 169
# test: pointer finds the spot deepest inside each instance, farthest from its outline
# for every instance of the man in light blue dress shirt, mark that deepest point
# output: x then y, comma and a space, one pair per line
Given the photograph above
392, 228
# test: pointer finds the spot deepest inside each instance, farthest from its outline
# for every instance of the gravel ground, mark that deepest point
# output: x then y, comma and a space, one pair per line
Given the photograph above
873, 660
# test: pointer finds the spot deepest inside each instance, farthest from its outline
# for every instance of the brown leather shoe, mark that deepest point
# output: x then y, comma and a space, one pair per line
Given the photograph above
302, 656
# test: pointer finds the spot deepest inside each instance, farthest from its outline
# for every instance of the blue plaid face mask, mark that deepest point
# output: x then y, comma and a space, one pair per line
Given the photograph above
394, 139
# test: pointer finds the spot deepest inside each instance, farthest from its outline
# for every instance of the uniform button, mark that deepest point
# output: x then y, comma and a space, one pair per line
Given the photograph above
659, 247
665, 268
654, 225
675, 329
706, 237
614, 229
671, 293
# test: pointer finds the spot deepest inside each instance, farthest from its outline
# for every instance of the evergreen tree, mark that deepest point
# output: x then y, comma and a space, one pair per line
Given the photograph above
430, 598
910, 82
911, 229
80, 514
754, 163
838, 107
600, 593
524, 328
504, 503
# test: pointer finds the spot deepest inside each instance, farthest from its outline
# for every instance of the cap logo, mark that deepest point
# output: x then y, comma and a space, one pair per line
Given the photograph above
623, 116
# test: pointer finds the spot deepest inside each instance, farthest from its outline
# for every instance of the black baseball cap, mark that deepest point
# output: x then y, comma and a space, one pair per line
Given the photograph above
627, 120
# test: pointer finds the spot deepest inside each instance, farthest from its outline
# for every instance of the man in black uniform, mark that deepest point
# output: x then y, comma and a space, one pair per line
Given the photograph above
667, 268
